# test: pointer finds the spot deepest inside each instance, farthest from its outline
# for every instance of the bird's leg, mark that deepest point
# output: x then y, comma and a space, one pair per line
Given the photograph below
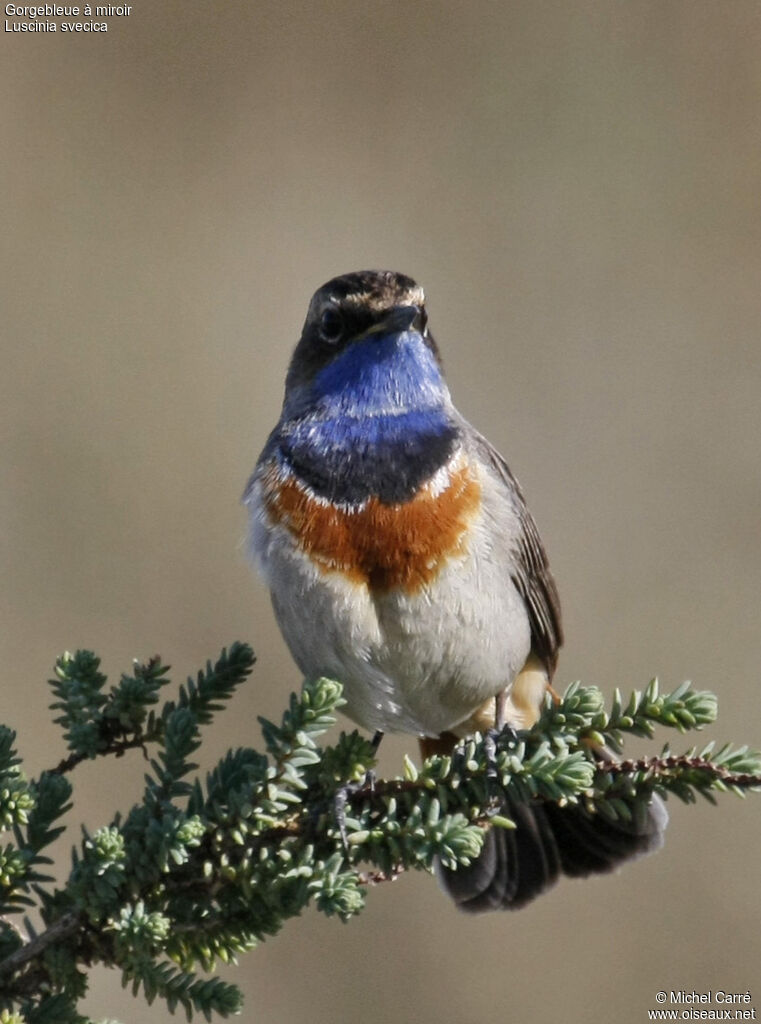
490, 738
500, 705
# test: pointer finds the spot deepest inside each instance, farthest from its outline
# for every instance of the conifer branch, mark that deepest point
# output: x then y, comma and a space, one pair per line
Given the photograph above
200, 871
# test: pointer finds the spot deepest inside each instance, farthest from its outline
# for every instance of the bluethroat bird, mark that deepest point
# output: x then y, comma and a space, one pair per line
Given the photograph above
402, 561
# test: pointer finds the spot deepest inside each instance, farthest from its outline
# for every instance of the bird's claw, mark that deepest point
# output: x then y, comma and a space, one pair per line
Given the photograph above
490, 747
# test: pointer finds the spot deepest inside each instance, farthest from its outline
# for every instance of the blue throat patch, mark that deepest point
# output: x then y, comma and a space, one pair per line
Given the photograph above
380, 423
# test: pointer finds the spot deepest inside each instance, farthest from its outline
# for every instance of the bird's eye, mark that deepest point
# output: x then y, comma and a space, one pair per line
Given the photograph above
331, 325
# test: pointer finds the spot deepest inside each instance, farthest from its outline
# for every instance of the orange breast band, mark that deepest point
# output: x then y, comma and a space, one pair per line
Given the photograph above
383, 546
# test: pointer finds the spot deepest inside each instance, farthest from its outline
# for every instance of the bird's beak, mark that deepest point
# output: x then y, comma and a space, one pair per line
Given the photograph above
397, 320
404, 318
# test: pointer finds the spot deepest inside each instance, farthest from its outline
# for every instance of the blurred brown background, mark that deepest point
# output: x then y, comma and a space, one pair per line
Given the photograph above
577, 188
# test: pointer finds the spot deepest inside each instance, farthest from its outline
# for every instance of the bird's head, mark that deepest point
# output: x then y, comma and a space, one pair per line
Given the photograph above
365, 349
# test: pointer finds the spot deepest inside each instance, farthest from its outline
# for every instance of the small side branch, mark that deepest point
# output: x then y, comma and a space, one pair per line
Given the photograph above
667, 766
61, 929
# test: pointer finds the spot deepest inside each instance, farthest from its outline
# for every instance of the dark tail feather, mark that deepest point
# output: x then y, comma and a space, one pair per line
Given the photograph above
516, 865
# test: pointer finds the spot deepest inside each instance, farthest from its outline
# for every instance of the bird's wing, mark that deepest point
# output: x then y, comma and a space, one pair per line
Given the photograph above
531, 573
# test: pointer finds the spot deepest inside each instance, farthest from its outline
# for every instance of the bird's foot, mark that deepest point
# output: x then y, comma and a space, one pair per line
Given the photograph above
490, 747
341, 798
348, 789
